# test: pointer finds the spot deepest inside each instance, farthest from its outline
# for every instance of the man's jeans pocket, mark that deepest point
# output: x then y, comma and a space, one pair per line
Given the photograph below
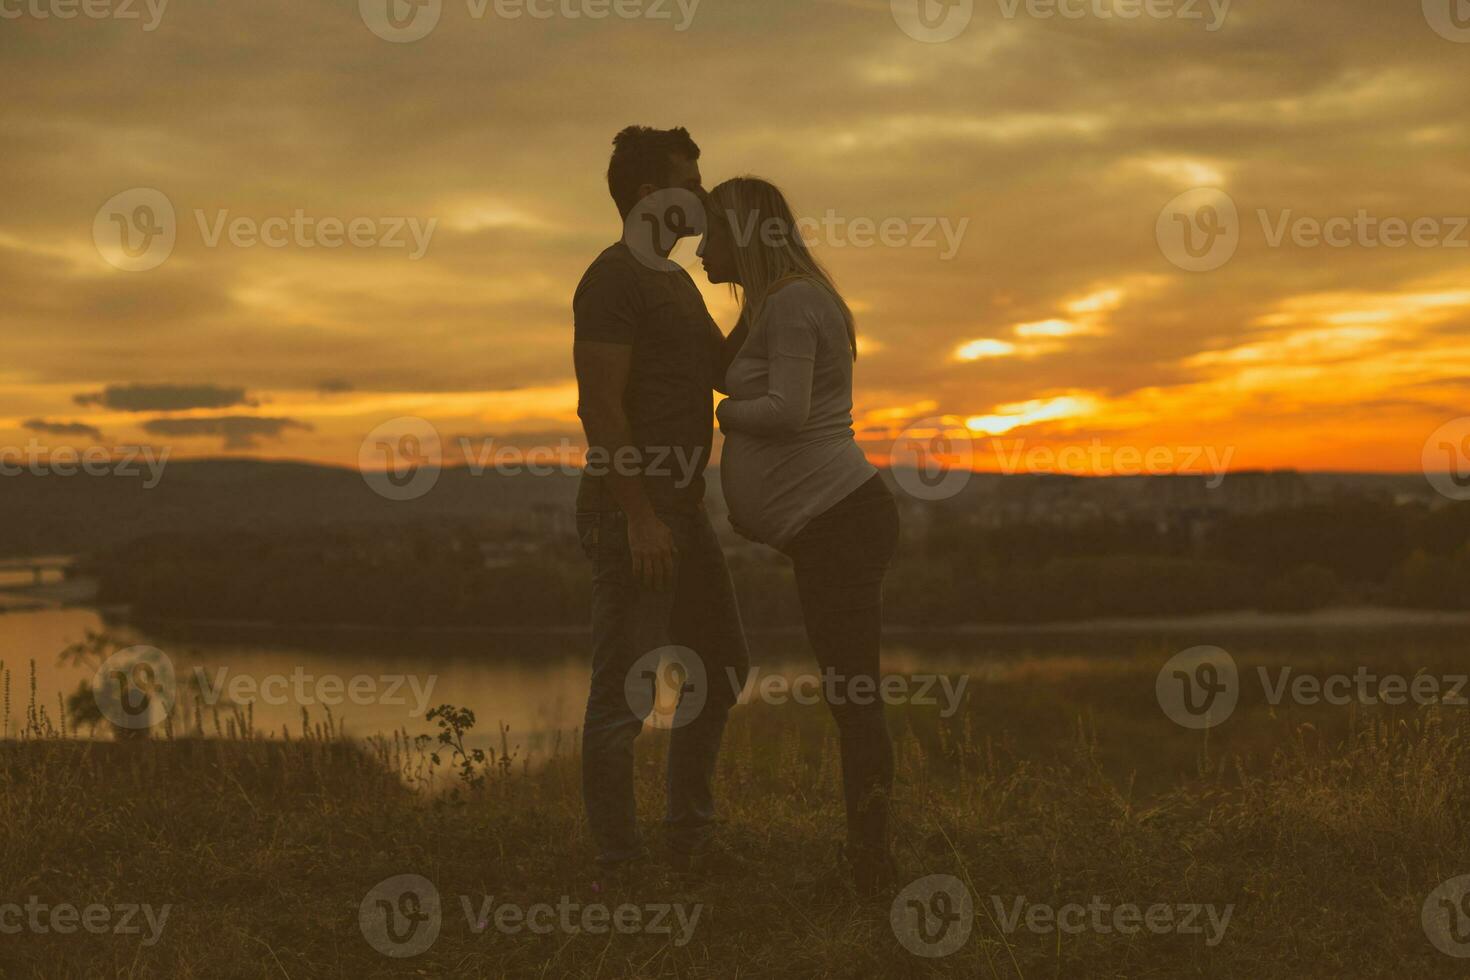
589, 533
602, 534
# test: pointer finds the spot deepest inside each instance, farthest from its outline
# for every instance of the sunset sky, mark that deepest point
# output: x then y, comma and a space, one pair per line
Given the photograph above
1050, 146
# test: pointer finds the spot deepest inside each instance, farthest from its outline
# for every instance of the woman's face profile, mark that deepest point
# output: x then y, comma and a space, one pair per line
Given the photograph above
718, 251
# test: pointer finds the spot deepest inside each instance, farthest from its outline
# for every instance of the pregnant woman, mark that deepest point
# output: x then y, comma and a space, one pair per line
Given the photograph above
795, 479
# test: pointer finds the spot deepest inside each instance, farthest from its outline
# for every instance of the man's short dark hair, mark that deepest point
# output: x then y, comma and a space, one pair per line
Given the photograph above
641, 156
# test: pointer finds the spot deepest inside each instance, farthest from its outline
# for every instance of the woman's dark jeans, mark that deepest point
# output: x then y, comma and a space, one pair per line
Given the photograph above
840, 558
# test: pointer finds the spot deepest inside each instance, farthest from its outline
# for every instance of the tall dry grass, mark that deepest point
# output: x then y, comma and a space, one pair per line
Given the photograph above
1324, 829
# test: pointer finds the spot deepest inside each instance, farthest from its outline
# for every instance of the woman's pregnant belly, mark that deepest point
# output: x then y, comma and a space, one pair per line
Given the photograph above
741, 483
773, 487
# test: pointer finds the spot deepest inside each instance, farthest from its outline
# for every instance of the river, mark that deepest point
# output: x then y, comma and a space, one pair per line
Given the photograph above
536, 681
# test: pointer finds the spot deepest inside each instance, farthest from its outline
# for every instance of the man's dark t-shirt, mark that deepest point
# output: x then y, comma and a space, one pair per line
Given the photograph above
676, 353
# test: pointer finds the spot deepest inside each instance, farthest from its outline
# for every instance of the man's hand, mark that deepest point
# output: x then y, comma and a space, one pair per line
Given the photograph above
652, 545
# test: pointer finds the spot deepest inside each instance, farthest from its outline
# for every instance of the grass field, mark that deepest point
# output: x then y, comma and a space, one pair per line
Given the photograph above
1322, 830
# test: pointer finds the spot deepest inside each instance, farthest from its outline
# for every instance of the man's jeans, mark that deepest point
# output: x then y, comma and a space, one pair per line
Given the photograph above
697, 611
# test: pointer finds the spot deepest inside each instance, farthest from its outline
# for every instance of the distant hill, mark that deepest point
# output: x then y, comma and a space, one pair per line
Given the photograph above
82, 514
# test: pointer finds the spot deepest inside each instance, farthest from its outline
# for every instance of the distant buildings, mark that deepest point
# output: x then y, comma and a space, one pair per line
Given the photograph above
992, 500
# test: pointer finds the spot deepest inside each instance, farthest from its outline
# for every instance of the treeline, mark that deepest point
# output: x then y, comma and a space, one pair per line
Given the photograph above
951, 571
397, 577
1349, 551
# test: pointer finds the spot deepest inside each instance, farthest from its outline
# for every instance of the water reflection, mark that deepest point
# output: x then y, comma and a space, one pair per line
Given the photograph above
378, 683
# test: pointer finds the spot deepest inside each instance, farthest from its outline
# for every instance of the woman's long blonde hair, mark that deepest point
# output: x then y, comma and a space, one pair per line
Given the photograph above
768, 246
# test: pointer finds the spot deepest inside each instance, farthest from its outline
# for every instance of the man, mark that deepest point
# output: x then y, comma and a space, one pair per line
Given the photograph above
647, 356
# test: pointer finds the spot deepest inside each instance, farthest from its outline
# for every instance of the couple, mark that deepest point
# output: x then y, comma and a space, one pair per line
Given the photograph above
647, 357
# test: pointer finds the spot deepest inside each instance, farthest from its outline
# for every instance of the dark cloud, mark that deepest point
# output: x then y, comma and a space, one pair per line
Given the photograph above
1456, 382
238, 431
164, 398
1411, 405
62, 428
334, 386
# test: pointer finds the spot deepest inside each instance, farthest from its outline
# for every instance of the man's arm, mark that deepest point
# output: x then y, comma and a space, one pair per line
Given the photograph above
602, 380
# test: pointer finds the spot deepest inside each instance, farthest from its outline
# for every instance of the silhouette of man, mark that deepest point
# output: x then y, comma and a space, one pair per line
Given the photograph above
647, 357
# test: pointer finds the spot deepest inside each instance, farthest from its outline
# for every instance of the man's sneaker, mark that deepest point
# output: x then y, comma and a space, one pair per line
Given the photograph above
713, 858
621, 873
